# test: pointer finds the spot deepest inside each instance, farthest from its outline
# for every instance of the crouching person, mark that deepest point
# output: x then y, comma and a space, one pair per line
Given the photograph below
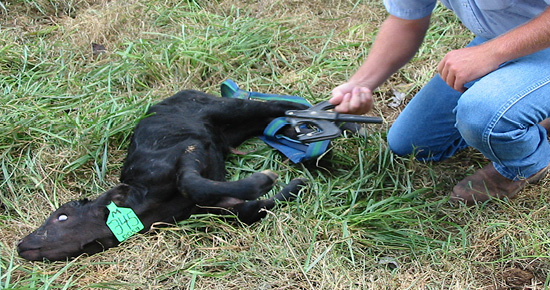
492, 95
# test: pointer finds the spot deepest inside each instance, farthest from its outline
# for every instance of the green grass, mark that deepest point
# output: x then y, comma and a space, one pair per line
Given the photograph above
368, 219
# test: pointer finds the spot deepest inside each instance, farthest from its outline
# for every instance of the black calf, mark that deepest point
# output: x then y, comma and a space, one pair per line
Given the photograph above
174, 168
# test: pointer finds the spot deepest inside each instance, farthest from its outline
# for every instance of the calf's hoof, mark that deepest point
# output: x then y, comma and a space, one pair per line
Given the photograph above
261, 182
291, 190
272, 175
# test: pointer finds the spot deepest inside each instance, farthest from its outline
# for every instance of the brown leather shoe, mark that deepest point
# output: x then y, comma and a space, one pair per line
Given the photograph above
487, 183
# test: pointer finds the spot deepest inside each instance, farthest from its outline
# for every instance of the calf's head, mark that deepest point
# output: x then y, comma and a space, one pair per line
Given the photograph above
76, 228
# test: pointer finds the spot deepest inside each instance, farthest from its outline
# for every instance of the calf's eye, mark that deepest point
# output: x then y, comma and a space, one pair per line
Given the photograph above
62, 217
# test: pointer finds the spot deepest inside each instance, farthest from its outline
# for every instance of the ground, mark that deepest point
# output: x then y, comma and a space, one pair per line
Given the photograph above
77, 75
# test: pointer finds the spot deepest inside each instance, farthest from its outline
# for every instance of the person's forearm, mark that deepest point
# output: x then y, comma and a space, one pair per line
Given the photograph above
396, 43
523, 40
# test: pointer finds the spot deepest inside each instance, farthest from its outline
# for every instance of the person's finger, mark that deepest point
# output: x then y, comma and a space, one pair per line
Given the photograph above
368, 102
443, 73
441, 68
337, 97
357, 100
458, 85
343, 106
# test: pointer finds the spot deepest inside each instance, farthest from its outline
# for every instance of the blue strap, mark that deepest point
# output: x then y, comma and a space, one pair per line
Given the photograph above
295, 150
229, 89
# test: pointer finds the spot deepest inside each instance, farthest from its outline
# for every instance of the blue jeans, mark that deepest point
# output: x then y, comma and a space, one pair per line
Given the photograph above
498, 115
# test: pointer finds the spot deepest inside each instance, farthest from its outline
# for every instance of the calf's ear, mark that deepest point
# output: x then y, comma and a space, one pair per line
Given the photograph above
118, 194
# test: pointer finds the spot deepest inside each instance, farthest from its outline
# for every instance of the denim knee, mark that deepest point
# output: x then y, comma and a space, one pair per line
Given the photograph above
402, 143
398, 143
472, 119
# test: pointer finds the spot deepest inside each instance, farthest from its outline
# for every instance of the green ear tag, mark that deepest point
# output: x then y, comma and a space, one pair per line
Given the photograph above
123, 222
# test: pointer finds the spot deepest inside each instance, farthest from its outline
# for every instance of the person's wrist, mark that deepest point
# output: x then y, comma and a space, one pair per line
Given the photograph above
360, 83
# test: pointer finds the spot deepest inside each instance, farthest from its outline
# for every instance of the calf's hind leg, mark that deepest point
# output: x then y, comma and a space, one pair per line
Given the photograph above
249, 111
249, 212
242, 119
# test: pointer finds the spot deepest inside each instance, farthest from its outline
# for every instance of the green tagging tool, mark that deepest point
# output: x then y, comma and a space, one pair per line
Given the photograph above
123, 221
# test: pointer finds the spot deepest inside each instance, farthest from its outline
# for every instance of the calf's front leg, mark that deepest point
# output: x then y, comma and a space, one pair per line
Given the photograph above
204, 191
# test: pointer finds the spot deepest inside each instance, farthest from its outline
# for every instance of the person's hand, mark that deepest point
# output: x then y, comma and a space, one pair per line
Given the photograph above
466, 64
351, 99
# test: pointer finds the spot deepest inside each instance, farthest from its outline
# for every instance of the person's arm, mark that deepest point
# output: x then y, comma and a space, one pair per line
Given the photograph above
396, 43
467, 64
